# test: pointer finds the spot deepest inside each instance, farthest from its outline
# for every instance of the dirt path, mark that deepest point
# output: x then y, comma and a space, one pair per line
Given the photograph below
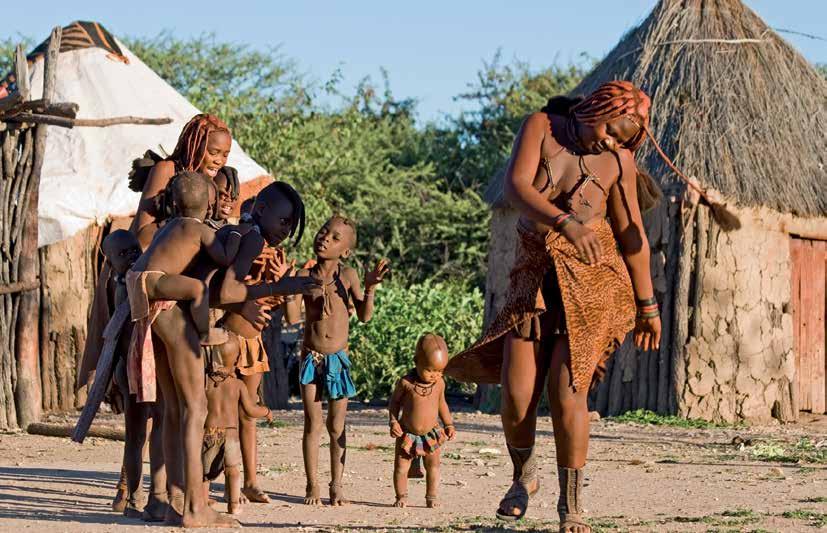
640, 478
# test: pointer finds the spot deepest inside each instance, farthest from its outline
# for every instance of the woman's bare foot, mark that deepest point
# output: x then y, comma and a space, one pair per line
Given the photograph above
337, 497
311, 495
255, 495
401, 501
431, 502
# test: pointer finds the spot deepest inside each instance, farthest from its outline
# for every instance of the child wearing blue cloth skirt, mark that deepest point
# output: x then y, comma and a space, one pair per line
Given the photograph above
325, 367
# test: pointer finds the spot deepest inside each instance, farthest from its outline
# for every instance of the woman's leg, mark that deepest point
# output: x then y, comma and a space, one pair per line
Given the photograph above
570, 415
523, 375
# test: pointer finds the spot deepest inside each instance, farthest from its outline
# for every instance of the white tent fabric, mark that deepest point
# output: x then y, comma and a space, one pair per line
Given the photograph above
84, 175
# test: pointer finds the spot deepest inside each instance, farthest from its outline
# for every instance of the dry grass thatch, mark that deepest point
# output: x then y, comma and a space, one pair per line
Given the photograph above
732, 103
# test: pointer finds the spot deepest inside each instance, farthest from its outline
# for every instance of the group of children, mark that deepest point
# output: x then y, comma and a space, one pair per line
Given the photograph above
153, 281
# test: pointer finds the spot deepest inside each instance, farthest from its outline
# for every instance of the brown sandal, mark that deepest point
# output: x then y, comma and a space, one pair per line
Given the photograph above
569, 504
524, 485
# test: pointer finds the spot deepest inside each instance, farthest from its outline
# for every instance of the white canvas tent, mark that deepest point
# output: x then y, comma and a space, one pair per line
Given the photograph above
84, 176
84, 186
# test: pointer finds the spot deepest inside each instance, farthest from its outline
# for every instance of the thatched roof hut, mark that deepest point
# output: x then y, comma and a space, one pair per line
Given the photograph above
738, 108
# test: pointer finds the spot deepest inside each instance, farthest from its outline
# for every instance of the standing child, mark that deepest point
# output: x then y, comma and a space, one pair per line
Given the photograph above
420, 395
221, 450
325, 368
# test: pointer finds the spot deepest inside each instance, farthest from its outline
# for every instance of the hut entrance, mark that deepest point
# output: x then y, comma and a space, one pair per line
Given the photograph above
809, 277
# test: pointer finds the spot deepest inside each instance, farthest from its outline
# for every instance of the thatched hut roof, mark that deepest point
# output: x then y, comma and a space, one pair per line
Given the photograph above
732, 103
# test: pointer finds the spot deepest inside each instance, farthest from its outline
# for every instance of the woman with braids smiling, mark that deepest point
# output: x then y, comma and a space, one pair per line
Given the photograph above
203, 147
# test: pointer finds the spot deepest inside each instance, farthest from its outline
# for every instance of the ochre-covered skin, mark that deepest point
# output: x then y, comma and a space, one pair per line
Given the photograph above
420, 397
326, 330
572, 166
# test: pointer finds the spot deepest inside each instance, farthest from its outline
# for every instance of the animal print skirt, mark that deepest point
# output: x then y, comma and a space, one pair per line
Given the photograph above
594, 307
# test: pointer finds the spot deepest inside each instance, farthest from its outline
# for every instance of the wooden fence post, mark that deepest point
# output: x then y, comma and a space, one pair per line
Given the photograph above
28, 394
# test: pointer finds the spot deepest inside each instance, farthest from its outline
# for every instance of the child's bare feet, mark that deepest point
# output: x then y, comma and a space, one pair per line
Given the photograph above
401, 501
234, 508
431, 502
255, 495
337, 497
311, 495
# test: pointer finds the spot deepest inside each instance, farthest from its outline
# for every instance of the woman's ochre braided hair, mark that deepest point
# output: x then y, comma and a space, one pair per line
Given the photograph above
192, 143
620, 98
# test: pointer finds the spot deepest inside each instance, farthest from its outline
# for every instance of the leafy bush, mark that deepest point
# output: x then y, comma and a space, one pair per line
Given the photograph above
382, 350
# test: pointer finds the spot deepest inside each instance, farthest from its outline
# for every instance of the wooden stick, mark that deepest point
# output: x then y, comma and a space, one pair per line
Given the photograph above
61, 109
103, 372
21, 72
65, 430
20, 286
86, 122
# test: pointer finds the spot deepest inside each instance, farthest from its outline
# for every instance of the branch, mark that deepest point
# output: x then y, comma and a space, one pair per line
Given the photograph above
86, 122
20, 286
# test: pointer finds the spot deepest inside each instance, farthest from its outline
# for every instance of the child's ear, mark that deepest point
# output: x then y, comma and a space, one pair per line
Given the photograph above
346, 254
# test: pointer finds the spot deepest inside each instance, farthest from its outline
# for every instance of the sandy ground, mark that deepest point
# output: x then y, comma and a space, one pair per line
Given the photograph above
640, 478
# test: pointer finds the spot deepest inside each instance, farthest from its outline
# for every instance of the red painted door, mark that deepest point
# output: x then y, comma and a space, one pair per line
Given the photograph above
809, 277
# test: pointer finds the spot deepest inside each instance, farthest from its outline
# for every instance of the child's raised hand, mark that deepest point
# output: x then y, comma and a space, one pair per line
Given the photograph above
377, 275
450, 432
396, 430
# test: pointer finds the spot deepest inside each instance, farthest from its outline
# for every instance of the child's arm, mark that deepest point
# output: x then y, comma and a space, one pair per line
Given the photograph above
364, 301
293, 304
445, 415
251, 408
394, 406
222, 253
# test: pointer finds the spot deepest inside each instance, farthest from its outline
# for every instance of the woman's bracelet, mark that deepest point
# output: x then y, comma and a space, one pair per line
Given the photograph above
646, 301
561, 221
446, 426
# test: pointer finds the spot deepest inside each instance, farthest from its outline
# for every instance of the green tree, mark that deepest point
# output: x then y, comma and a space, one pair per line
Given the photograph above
477, 143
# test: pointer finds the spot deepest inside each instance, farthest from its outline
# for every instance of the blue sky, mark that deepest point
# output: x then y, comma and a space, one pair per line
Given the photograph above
431, 49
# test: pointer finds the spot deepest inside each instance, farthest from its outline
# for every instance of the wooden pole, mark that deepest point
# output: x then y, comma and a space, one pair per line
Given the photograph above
660, 401
681, 320
34, 118
65, 430
28, 394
